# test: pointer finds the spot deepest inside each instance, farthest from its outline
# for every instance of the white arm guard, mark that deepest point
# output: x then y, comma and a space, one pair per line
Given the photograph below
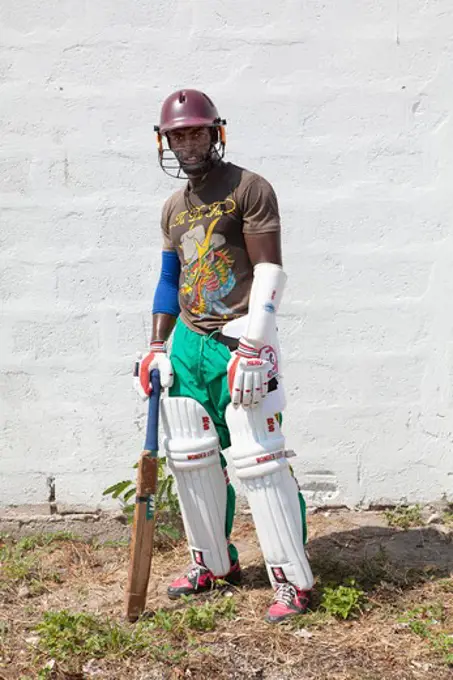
258, 329
265, 297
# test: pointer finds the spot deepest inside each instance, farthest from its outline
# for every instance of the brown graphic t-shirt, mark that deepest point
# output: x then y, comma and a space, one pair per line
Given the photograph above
206, 227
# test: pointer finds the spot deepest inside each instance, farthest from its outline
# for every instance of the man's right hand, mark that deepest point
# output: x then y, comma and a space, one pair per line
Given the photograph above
155, 359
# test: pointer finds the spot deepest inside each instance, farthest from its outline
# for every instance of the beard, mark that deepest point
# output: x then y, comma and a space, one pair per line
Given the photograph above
195, 163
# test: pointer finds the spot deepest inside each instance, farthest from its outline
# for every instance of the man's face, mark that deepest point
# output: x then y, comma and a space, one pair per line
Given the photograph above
191, 146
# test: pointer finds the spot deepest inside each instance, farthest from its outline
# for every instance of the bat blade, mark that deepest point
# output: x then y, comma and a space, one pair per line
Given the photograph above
142, 536
142, 542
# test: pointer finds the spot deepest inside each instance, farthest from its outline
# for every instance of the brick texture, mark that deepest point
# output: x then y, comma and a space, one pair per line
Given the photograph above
346, 109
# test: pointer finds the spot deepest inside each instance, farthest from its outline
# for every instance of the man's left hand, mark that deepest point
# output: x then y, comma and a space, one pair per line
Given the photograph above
248, 376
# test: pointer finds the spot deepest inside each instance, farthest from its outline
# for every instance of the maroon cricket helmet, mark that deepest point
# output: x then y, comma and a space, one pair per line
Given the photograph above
188, 108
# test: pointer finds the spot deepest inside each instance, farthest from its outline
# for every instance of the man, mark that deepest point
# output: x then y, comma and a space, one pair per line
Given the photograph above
221, 283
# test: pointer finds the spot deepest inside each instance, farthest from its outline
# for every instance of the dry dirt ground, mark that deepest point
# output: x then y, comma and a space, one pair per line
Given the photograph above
61, 609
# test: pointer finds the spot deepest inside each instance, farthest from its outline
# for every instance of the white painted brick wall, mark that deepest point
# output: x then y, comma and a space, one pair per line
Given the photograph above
346, 108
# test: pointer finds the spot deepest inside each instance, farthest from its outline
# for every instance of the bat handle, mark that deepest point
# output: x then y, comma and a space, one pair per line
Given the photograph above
152, 428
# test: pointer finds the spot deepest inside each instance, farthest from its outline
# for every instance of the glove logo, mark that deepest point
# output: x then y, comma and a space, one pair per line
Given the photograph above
254, 362
269, 354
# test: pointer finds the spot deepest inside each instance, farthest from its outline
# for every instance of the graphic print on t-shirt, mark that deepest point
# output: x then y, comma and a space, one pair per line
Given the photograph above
208, 226
207, 266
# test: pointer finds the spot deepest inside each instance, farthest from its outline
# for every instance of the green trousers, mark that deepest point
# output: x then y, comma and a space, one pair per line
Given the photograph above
199, 366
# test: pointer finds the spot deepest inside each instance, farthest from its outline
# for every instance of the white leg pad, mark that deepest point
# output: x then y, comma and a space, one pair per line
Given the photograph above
258, 453
193, 454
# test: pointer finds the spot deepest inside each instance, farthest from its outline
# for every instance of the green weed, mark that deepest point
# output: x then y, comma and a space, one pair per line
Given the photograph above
432, 613
15, 558
166, 503
64, 635
69, 638
204, 617
446, 585
45, 673
404, 517
16, 568
20, 562
201, 617
426, 622
28, 543
343, 601
315, 619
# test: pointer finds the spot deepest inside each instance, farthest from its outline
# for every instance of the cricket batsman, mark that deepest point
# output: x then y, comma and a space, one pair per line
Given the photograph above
220, 287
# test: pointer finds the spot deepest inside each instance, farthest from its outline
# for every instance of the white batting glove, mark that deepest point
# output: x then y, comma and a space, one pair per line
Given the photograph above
156, 358
248, 376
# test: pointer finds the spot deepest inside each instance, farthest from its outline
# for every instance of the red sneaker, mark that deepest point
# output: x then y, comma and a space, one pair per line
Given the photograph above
200, 578
288, 601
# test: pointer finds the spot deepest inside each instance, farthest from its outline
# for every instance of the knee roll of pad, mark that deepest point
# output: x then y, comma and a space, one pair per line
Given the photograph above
259, 456
192, 448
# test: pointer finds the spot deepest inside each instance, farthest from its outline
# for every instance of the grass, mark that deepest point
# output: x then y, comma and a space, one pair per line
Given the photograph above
64, 635
72, 638
28, 543
21, 562
427, 622
368, 613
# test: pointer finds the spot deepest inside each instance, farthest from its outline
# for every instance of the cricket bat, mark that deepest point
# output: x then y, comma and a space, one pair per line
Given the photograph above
144, 514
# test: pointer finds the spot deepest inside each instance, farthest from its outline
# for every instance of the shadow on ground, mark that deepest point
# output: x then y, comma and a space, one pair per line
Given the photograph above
372, 556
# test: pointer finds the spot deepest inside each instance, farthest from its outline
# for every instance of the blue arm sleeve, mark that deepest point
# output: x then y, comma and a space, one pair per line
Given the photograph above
166, 295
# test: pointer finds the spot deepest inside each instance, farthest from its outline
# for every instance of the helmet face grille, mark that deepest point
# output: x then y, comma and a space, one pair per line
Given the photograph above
170, 164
